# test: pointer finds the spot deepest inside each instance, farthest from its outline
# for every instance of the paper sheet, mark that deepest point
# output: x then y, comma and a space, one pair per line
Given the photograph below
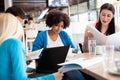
114, 39
98, 36
101, 39
33, 55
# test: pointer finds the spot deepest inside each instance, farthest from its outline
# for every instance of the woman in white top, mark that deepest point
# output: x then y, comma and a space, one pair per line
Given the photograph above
105, 24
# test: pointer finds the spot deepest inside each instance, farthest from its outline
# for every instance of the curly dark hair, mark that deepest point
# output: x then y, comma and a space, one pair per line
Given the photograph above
55, 16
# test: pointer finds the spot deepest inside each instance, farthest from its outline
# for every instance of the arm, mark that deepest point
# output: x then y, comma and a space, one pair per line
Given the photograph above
117, 28
85, 43
66, 39
39, 41
87, 36
17, 54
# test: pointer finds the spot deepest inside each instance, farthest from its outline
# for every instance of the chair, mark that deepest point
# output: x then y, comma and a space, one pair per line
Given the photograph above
30, 35
80, 45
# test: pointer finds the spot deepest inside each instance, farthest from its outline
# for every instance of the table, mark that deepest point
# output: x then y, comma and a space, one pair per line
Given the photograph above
97, 70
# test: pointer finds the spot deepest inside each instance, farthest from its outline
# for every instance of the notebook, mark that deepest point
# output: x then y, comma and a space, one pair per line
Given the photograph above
50, 57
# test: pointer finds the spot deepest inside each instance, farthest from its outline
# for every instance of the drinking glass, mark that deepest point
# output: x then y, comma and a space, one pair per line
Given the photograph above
108, 57
92, 46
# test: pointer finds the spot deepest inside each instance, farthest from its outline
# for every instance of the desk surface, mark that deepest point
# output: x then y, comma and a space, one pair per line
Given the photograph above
97, 70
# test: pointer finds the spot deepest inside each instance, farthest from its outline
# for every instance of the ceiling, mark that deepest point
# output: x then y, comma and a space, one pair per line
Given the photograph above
32, 5
37, 6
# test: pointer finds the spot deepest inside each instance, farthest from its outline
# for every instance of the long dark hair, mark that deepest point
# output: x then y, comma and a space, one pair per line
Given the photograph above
111, 26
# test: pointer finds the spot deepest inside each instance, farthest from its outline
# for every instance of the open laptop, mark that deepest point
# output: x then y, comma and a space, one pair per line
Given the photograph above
50, 57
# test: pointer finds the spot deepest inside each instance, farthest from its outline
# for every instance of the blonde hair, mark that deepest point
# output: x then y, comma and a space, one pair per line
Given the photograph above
9, 27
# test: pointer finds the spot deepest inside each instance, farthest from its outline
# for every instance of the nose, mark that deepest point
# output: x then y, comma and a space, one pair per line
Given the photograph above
60, 27
105, 18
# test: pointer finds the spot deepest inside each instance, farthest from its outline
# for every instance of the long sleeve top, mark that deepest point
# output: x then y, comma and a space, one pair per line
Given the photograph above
41, 40
13, 62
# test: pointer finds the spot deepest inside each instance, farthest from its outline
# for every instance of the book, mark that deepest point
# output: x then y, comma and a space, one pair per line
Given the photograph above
77, 64
101, 39
33, 55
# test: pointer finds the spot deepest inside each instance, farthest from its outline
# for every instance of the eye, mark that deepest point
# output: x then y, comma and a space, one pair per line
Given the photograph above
108, 15
62, 26
103, 14
56, 25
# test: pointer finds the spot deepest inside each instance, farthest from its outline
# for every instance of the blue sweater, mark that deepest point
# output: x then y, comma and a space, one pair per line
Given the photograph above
41, 40
13, 62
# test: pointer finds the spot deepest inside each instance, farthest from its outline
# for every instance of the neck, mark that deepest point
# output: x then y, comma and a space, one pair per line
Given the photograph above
104, 29
50, 32
52, 35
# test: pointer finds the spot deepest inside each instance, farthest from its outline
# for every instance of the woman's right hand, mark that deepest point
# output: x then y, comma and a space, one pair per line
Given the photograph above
58, 75
88, 34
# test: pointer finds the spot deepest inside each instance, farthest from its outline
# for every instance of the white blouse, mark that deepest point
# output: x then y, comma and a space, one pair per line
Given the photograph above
52, 43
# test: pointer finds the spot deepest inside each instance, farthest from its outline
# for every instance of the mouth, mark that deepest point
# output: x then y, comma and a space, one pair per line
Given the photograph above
104, 21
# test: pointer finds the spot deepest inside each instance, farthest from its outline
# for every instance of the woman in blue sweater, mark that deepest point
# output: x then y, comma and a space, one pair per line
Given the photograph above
12, 52
57, 21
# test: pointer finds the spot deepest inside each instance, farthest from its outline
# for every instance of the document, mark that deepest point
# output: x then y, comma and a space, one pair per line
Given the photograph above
114, 39
101, 39
98, 36
33, 55
77, 64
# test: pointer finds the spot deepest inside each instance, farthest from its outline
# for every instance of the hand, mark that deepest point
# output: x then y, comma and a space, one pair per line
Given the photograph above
28, 60
89, 34
58, 75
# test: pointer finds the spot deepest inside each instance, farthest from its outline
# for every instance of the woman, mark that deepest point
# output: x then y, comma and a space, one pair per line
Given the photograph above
12, 52
17, 12
57, 21
105, 24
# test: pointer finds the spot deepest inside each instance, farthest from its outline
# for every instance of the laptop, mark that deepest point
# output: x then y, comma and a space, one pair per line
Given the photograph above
49, 59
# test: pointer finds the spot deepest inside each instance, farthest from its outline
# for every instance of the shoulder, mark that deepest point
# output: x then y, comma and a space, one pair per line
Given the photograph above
42, 33
63, 33
13, 41
117, 28
91, 24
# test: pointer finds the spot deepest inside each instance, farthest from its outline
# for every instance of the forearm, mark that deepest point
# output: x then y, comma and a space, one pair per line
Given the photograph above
85, 44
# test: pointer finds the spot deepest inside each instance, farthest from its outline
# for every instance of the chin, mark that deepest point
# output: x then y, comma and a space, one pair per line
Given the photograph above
104, 24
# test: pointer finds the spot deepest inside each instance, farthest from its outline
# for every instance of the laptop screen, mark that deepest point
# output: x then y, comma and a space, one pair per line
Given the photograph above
50, 57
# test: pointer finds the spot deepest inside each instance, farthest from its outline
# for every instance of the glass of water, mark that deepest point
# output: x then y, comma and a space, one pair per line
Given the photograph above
92, 46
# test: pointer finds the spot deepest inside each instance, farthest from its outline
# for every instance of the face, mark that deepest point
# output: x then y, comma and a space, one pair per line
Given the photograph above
30, 21
58, 27
20, 19
106, 17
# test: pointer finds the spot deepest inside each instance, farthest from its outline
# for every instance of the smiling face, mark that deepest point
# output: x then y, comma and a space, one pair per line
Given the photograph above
58, 27
105, 17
